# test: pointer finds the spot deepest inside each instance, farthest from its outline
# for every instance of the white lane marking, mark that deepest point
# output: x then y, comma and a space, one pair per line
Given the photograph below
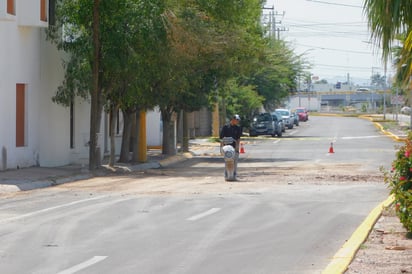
83, 265
362, 137
49, 209
204, 214
276, 141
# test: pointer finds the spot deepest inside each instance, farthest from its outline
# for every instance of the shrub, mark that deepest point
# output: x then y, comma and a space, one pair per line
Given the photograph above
399, 179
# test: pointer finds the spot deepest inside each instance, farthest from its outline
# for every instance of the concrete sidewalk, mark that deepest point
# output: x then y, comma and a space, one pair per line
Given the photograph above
14, 180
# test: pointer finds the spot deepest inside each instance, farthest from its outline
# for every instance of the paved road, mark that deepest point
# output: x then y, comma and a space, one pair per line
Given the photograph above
186, 219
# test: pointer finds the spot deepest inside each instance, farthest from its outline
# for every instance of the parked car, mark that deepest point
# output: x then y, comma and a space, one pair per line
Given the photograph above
302, 113
263, 124
286, 116
406, 110
278, 118
295, 118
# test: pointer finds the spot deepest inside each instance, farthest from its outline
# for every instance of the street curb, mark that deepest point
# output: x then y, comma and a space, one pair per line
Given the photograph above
54, 181
380, 127
390, 134
175, 159
347, 252
31, 185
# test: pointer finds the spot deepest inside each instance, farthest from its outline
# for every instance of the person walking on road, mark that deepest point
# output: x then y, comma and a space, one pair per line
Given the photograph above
235, 131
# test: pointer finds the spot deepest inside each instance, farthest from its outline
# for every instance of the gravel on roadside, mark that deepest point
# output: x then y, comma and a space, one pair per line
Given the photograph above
387, 249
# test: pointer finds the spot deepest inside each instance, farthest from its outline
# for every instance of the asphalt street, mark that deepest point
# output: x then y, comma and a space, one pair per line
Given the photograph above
295, 205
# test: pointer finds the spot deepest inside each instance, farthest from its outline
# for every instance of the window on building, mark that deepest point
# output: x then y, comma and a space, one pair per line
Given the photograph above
20, 115
43, 10
11, 7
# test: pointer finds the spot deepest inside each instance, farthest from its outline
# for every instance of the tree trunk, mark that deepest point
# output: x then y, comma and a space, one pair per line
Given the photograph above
168, 143
94, 153
112, 130
224, 114
185, 134
127, 128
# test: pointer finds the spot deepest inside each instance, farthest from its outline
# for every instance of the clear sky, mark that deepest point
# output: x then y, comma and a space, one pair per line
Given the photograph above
332, 34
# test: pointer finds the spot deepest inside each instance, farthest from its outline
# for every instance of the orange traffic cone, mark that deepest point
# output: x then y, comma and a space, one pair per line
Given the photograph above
331, 148
242, 149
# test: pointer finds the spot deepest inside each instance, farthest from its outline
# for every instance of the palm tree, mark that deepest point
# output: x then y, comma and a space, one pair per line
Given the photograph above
387, 20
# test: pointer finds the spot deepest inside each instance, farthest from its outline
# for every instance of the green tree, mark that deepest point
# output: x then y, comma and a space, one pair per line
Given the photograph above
387, 20
209, 43
96, 105
322, 81
132, 32
378, 80
276, 74
81, 39
243, 100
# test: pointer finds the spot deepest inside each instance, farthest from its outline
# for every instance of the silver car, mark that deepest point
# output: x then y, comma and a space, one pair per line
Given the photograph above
277, 118
286, 116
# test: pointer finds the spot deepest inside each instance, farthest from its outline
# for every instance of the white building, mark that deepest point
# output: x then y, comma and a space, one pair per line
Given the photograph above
34, 130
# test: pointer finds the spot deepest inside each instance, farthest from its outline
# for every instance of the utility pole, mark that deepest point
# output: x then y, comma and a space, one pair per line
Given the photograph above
271, 18
281, 29
272, 24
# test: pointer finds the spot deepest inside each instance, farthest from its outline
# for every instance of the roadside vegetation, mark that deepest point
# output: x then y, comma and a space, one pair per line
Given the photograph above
177, 55
399, 179
391, 22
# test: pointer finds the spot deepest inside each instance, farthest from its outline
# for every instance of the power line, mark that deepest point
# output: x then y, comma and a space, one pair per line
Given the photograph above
343, 67
331, 49
336, 4
304, 23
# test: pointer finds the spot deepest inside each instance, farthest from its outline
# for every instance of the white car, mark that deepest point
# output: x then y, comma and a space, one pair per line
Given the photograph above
406, 110
287, 117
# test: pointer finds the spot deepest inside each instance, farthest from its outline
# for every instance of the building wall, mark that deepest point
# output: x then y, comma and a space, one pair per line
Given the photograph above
154, 128
21, 55
310, 102
27, 58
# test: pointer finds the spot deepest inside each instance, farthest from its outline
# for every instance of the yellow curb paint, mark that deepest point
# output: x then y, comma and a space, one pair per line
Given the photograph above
380, 127
390, 134
345, 255
154, 147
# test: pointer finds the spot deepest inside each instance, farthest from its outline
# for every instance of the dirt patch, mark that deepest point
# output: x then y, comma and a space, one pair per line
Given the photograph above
209, 180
